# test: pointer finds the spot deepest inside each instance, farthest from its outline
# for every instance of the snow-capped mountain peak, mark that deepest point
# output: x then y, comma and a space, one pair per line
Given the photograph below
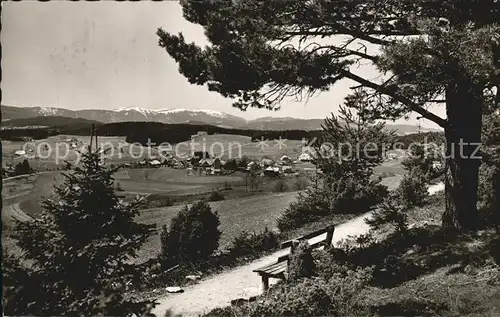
48, 111
172, 111
194, 111
138, 109
146, 113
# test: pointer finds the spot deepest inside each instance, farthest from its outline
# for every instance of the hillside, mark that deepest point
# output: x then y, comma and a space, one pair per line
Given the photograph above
49, 121
134, 131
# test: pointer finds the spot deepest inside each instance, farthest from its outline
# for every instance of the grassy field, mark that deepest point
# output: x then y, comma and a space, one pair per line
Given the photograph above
236, 215
172, 181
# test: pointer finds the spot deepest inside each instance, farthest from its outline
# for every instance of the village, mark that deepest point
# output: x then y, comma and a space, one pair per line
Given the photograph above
195, 163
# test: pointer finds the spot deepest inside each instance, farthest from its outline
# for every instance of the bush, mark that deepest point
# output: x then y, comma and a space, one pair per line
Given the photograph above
489, 194
280, 186
421, 159
301, 183
307, 298
248, 243
155, 201
215, 196
337, 296
310, 206
489, 173
351, 195
301, 262
391, 213
193, 235
413, 189
345, 195
22, 168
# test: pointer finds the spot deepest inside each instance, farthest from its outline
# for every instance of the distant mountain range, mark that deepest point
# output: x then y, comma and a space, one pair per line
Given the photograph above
190, 116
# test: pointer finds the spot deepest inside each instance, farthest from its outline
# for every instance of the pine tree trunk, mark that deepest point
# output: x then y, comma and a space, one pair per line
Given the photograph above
463, 136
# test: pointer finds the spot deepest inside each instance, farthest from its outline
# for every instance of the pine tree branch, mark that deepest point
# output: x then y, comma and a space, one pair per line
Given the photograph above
404, 100
343, 52
344, 31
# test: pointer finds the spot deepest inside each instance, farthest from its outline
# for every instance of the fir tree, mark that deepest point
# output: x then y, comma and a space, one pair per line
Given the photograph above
80, 247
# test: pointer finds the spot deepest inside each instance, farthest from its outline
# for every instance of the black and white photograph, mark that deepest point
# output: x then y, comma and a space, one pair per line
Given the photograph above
225, 158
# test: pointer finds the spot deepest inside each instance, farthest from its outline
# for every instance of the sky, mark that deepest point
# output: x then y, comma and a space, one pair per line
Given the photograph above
105, 55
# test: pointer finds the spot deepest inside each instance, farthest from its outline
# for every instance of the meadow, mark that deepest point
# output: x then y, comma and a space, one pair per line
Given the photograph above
236, 215
170, 181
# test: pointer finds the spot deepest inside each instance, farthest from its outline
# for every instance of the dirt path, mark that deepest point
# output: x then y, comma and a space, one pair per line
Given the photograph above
241, 282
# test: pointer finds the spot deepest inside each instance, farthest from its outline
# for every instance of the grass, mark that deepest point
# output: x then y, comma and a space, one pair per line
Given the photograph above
425, 273
174, 182
455, 276
458, 278
174, 176
236, 215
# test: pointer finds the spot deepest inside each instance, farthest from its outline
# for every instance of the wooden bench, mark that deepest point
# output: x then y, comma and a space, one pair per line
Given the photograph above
279, 268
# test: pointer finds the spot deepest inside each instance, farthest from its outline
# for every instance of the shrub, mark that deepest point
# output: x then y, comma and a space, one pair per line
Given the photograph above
331, 261
306, 298
301, 262
391, 213
280, 186
489, 173
489, 194
351, 195
346, 195
193, 235
337, 296
158, 200
221, 312
301, 183
247, 243
421, 160
22, 168
215, 196
310, 206
413, 189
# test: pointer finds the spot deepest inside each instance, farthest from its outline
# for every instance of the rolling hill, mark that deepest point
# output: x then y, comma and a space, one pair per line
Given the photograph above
49, 121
